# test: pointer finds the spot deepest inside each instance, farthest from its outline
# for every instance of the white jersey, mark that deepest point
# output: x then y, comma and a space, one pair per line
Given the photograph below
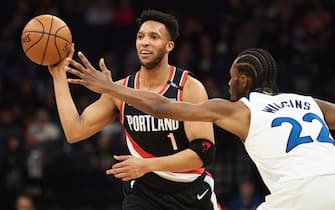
288, 138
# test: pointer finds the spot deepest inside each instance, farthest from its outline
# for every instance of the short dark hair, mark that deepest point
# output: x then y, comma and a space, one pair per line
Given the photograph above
260, 66
168, 20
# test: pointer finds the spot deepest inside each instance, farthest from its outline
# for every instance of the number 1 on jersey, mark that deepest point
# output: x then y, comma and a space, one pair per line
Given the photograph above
173, 141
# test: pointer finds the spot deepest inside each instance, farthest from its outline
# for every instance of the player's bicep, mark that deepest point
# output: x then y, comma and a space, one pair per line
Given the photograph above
197, 106
195, 130
97, 115
195, 93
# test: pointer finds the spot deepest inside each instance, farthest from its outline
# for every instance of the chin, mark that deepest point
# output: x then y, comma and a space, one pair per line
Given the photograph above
150, 65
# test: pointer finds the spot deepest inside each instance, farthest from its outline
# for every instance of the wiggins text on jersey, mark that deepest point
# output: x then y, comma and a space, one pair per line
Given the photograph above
298, 104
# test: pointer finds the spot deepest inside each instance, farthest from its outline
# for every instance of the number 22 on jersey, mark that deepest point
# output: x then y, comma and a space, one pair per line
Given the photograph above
295, 137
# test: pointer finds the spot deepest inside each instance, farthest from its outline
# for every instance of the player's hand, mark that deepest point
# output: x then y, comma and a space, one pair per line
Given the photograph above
88, 76
129, 168
60, 67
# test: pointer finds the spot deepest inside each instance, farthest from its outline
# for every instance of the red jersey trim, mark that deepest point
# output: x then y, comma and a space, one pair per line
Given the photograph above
137, 148
121, 105
171, 75
137, 80
181, 84
165, 87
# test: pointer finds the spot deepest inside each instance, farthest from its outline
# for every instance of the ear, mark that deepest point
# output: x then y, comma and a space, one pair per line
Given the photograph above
245, 81
170, 46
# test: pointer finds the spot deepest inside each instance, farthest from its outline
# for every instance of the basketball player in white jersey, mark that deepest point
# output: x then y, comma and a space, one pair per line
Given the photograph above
286, 134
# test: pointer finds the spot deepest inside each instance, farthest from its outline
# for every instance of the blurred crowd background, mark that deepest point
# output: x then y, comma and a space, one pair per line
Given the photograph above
36, 161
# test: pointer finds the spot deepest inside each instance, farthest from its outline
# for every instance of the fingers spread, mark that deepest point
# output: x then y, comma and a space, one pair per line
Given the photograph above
75, 81
74, 72
77, 65
102, 65
120, 173
122, 157
85, 61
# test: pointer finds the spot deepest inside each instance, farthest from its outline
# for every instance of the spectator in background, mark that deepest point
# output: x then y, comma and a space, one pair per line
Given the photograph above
123, 24
124, 14
246, 198
42, 128
24, 202
11, 168
100, 13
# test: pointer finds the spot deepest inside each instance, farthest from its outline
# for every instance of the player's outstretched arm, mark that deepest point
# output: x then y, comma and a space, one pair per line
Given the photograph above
161, 107
149, 102
231, 116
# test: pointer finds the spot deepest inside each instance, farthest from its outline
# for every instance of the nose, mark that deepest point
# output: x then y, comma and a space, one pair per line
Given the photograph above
145, 41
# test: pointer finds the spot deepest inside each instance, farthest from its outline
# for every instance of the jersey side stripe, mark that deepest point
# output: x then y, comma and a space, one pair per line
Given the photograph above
137, 80
181, 84
135, 149
171, 76
187, 176
121, 106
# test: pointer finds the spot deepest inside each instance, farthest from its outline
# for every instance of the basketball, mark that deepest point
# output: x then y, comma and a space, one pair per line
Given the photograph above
46, 40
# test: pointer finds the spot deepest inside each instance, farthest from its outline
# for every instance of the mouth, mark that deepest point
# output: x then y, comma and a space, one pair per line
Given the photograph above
145, 53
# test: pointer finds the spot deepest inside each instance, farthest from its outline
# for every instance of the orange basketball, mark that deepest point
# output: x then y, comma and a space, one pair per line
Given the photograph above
46, 40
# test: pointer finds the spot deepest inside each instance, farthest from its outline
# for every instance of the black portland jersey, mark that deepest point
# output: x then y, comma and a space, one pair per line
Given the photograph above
148, 136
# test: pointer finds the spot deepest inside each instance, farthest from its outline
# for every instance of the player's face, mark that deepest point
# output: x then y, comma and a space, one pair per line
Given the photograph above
153, 43
236, 89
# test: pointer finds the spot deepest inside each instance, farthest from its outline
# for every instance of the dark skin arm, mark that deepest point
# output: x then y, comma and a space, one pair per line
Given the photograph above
231, 116
151, 103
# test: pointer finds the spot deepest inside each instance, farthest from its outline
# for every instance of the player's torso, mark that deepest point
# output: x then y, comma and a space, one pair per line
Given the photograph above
288, 138
148, 136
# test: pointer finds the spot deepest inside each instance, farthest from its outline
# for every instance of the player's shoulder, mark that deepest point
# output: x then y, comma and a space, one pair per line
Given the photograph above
194, 90
121, 81
193, 83
108, 98
125, 79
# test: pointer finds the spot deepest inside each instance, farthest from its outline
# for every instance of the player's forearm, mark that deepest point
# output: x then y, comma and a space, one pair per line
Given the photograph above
185, 160
157, 105
150, 103
67, 110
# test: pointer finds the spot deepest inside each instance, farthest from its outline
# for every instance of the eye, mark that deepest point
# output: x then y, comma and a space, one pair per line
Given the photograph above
155, 37
139, 36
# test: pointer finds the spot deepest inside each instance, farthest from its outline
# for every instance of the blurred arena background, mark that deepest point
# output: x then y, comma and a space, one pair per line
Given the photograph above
35, 159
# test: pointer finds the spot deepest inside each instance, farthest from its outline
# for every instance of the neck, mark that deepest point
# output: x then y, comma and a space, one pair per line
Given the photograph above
265, 90
155, 77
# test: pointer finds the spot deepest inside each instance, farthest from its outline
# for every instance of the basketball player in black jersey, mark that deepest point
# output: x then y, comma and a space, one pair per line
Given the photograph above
165, 168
